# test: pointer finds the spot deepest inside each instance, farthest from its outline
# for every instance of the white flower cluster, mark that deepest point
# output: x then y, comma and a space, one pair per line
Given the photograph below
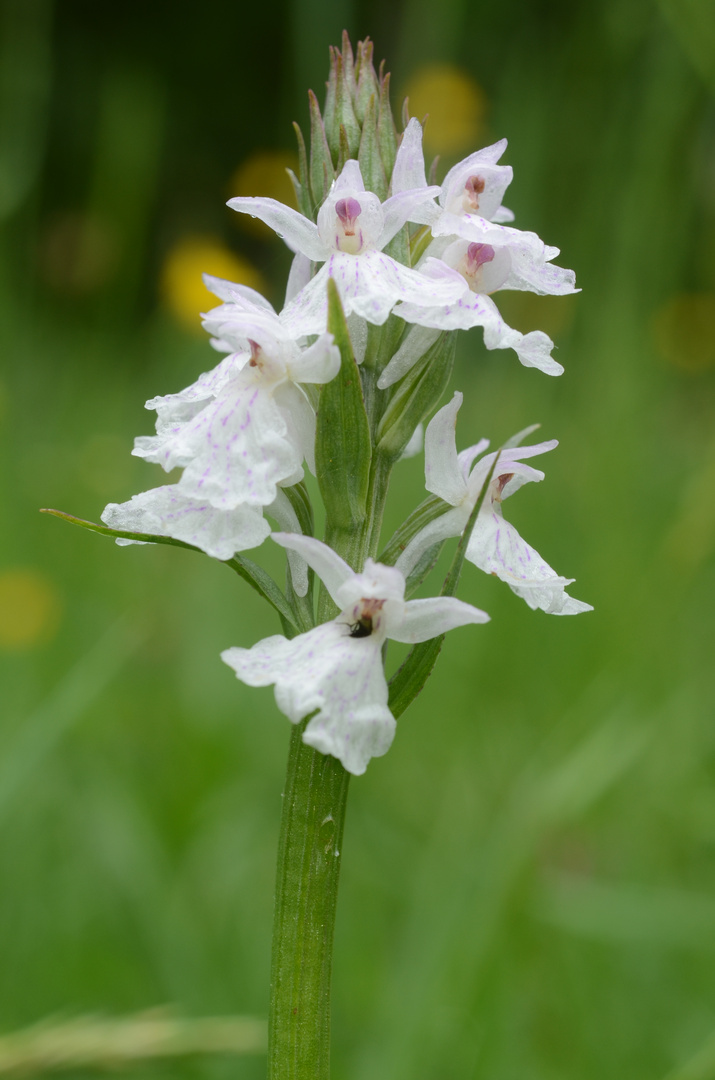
243, 432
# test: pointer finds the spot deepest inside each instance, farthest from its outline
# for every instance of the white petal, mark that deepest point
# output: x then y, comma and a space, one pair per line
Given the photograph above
232, 291
376, 581
441, 528
328, 670
503, 215
239, 449
330, 568
496, 547
475, 309
417, 205
466, 457
299, 417
166, 511
443, 476
414, 446
425, 619
409, 169
350, 179
544, 280
299, 233
300, 273
370, 285
495, 178
173, 407
319, 363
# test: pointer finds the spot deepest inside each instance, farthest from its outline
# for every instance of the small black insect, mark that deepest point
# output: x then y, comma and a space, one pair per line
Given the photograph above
362, 628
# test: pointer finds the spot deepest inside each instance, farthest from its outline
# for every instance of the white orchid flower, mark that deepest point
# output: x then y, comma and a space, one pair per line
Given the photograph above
336, 670
352, 230
494, 546
474, 186
470, 243
246, 427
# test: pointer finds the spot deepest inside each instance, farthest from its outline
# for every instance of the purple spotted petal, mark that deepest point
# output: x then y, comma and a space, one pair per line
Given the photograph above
167, 511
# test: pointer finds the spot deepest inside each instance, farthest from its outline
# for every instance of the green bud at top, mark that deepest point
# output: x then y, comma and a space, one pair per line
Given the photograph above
356, 123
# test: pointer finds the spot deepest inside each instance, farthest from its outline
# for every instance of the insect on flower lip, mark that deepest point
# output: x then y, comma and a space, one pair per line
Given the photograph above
368, 611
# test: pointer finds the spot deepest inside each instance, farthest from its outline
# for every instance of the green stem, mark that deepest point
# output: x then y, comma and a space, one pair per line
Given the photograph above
309, 857
310, 846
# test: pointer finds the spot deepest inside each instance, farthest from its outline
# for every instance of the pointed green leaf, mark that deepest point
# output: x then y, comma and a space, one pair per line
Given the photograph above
302, 183
344, 110
251, 572
299, 499
419, 244
344, 152
415, 396
386, 131
321, 162
348, 64
366, 78
371, 167
342, 449
426, 512
425, 566
517, 440
331, 94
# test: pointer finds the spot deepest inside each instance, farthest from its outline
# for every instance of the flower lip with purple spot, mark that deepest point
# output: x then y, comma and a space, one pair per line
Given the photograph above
477, 255
348, 210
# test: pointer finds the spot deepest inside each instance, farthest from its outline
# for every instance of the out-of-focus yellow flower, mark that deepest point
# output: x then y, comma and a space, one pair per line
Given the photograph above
684, 331
264, 173
456, 105
29, 608
181, 283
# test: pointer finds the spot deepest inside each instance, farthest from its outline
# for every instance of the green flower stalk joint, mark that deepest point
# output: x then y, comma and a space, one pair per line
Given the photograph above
387, 268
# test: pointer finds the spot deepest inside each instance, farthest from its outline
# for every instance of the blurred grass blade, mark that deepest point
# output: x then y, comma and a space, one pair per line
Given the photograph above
256, 576
25, 81
82, 685
410, 678
701, 1066
92, 1042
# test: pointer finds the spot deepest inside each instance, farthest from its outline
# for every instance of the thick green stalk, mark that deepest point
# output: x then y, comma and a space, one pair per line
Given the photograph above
309, 857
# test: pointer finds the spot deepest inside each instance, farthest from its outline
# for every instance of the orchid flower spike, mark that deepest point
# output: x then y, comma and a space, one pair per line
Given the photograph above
494, 546
335, 671
353, 227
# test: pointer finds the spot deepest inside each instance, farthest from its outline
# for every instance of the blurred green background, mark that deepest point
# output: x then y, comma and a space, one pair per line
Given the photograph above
529, 875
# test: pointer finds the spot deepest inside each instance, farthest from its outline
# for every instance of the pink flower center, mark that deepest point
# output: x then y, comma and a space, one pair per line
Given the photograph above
256, 354
348, 210
477, 255
472, 190
498, 485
